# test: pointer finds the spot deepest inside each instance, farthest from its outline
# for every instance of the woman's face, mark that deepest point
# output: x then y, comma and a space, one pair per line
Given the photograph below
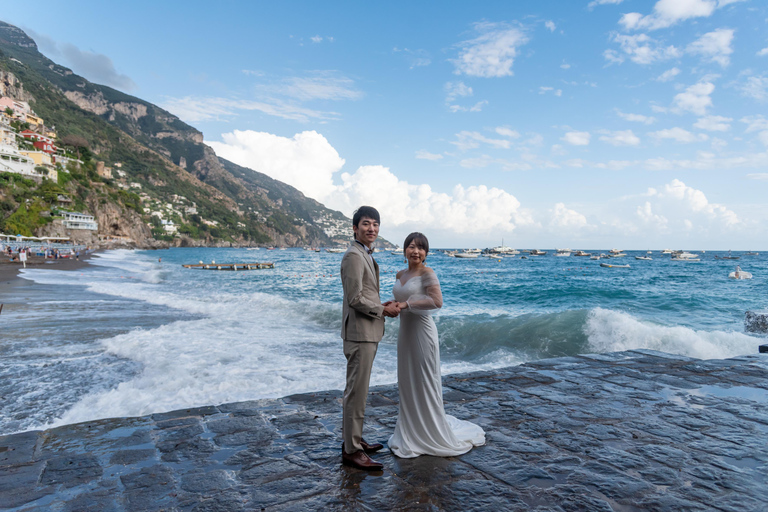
415, 254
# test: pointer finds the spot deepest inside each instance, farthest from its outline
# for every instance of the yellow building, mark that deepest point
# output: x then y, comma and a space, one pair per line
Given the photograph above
34, 121
39, 157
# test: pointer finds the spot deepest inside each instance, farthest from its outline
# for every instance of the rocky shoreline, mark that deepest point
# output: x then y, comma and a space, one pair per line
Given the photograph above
627, 431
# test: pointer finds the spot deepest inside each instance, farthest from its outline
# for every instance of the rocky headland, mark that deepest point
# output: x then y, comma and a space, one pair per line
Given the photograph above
627, 431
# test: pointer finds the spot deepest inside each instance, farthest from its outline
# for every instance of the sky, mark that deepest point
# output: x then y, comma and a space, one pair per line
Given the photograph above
585, 124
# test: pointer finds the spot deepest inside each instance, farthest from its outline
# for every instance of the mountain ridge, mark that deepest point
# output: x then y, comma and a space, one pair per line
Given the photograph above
163, 157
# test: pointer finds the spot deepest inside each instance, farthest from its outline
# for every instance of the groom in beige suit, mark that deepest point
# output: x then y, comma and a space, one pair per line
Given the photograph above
362, 328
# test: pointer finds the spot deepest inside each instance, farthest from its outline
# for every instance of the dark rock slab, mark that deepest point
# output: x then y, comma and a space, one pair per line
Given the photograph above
629, 431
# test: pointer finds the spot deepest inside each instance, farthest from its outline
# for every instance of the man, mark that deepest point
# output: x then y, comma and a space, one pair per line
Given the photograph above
362, 328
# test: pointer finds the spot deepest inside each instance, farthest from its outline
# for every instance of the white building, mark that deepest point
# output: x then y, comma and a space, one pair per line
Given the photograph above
13, 161
75, 220
168, 226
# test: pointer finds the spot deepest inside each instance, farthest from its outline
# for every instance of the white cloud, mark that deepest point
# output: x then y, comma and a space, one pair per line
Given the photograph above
96, 67
612, 56
316, 39
636, 118
455, 90
550, 25
714, 123
565, 66
668, 75
642, 49
595, 3
755, 123
562, 217
679, 135
193, 109
667, 13
763, 137
714, 46
696, 98
760, 176
556, 92
280, 98
755, 87
492, 53
763, 52
417, 58
695, 201
507, 132
467, 210
576, 138
306, 161
471, 140
426, 155
620, 138
318, 85
646, 215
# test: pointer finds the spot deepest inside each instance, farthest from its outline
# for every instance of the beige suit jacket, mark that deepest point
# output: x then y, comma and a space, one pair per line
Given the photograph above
362, 313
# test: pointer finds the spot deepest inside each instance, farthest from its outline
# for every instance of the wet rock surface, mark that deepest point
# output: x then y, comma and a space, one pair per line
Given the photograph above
627, 431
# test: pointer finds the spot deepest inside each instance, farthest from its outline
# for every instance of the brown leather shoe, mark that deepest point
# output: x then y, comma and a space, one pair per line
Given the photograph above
370, 448
361, 461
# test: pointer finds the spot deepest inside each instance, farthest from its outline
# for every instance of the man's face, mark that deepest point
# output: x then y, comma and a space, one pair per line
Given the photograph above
367, 231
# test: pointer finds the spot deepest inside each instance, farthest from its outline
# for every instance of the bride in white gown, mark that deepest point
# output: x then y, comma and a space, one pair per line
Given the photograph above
423, 428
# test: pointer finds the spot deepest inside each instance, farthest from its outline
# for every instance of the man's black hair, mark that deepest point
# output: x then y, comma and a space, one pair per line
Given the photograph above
365, 211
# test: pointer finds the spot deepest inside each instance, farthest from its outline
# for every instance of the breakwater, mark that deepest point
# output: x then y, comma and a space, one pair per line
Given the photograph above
626, 431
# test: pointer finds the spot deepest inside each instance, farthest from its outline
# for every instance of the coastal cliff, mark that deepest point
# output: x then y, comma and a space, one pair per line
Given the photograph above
634, 430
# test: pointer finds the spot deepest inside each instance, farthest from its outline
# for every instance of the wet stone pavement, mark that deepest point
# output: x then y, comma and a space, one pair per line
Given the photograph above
627, 431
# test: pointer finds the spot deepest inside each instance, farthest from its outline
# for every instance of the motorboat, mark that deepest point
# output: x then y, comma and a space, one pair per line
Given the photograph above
729, 257
617, 255
685, 256
750, 253
608, 265
582, 253
739, 274
562, 252
335, 250
398, 251
536, 252
645, 258
666, 251
615, 251
466, 254
594, 257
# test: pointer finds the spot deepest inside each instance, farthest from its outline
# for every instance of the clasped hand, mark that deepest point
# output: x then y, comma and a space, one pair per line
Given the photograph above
392, 309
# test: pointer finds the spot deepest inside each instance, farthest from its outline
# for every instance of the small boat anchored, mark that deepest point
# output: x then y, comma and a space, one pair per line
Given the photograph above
608, 265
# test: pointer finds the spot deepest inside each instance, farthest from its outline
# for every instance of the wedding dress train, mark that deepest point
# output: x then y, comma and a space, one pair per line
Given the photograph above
422, 427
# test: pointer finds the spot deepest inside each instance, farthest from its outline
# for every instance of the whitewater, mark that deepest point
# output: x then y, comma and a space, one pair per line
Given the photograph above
136, 333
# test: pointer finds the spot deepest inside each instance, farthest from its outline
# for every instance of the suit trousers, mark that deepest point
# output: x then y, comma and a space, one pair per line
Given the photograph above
359, 356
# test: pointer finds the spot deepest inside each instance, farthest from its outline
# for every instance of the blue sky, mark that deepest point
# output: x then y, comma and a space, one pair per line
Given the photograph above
583, 124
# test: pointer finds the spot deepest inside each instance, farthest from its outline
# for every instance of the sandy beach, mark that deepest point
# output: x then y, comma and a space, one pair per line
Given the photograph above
9, 270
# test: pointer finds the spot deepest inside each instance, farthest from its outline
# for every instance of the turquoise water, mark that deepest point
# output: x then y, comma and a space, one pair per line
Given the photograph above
132, 335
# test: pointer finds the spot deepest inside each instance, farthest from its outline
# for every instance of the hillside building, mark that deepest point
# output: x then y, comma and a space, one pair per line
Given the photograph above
75, 220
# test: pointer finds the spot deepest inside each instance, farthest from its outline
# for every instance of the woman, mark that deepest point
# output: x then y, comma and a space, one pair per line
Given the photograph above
423, 428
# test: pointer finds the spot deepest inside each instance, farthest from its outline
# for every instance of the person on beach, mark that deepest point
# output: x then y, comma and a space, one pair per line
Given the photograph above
23, 257
422, 426
362, 328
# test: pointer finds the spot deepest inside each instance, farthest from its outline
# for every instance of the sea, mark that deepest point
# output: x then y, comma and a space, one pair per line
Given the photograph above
136, 333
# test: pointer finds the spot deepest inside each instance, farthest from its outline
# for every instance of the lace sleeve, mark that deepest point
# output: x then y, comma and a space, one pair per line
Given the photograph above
431, 300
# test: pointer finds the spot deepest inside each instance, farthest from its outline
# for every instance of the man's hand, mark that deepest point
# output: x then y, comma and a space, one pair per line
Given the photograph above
391, 309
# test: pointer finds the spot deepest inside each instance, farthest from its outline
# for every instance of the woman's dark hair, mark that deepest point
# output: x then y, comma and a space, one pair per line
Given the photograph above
365, 211
419, 239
